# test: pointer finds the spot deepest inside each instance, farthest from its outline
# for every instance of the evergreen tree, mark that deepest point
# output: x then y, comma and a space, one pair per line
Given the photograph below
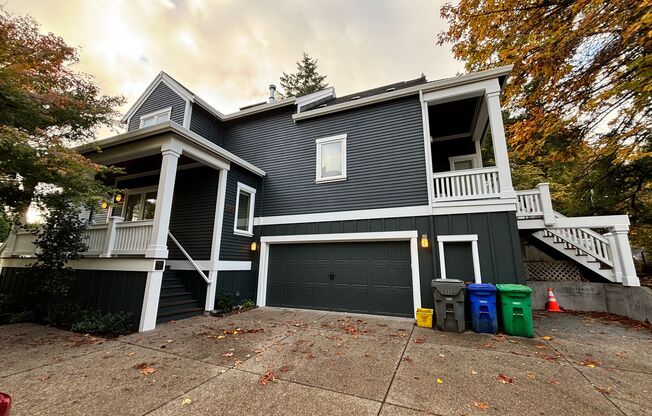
305, 81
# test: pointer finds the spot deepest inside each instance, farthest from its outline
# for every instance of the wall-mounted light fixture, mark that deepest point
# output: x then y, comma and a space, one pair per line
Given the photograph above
104, 205
424, 241
118, 197
254, 246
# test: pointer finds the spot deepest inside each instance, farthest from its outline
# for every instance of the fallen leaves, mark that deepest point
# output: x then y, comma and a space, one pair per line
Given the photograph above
547, 338
227, 354
145, 368
590, 362
440, 381
44, 377
131, 354
285, 368
504, 379
419, 340
480, 405
186, 401
603, 390
266, 378
552, 381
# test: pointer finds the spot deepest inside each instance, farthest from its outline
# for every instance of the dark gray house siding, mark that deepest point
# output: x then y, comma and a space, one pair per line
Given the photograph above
236, 247
193, 212
206, 125
385, 158
108, 291
162, 97
498, 243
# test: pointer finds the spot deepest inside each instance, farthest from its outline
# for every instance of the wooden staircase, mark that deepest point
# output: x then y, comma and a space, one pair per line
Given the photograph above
178, 300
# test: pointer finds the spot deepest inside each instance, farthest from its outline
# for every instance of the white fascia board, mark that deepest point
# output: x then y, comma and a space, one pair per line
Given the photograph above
180, 90
161, 128
428, 87
459, 238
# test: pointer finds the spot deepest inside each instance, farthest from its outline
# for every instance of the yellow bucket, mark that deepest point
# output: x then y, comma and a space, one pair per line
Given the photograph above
424, 317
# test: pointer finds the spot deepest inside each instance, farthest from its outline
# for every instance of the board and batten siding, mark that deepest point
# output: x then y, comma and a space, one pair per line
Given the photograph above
162, 97
385, 158
233, 246
206, 125
498, 242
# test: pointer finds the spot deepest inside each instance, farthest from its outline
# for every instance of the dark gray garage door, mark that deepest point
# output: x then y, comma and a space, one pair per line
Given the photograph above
371, 278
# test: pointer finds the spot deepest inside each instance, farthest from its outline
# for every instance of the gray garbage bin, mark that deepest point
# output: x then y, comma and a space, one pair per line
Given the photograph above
449, 304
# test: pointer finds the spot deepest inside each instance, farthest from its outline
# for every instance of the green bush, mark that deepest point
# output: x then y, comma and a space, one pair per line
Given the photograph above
100, 323
224, 301
248, 304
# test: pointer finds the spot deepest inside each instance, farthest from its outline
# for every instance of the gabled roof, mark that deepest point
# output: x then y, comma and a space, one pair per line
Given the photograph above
175, 86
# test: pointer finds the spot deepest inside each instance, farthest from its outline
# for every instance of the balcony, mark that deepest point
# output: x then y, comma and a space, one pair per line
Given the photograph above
466, 184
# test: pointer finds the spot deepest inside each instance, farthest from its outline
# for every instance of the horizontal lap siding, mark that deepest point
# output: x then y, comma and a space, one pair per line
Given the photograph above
162, 97
193, 212
236, 247
385, 158
206, 125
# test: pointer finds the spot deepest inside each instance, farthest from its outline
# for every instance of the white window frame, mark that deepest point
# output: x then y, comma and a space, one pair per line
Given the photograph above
252, 203
474, 158
325, 140
136, 191
154, 114
463, 238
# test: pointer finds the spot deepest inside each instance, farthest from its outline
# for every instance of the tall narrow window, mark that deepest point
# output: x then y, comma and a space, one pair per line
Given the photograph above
156, 117
331, 158
244, 210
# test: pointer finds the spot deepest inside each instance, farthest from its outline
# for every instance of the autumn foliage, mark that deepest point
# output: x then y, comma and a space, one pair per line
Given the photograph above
579, 98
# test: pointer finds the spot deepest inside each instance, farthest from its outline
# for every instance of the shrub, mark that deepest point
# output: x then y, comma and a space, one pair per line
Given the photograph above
100, 323
248, 304
224, 301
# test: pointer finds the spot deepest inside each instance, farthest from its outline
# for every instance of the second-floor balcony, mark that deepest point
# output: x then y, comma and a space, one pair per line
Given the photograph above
467, 151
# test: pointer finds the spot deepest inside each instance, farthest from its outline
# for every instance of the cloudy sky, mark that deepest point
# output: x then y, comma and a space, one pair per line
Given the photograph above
228, 52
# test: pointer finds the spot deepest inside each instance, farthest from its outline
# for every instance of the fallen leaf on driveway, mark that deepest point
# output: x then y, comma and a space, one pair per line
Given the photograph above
419, 340
285, 368
553, 381
502, 378
266, 378
227, 354
603, 390
440, 381
43, 378
441, 355
546, 338
481, 405
541, 347
474, 372
186, 401
131, 354
407, 359
590, 363
144, 368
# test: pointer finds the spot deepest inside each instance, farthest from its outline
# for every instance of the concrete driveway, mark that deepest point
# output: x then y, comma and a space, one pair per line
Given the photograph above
289, 362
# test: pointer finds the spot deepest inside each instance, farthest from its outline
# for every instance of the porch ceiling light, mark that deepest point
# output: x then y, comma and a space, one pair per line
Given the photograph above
118, 197
254, 246
104, 205
424, 241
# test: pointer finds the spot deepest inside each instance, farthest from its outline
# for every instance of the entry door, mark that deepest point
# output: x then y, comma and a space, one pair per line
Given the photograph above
362, 277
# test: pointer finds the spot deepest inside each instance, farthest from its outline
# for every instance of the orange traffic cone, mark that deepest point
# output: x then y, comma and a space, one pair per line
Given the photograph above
553, 306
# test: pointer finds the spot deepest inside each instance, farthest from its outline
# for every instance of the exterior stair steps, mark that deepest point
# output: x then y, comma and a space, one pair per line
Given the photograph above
176, 300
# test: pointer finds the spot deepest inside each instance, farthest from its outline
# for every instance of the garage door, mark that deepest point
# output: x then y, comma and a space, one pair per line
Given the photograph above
360, 277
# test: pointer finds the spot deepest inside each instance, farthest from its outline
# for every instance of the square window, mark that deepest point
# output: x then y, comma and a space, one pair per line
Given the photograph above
331, 158
244, 210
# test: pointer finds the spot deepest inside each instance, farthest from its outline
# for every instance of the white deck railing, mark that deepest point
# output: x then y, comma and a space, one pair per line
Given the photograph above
467, 184
105, 240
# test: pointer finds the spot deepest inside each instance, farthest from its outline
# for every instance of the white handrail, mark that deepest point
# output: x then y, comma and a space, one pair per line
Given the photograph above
192, 262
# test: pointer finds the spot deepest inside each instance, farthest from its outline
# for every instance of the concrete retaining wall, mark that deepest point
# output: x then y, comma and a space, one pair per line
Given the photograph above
633, 302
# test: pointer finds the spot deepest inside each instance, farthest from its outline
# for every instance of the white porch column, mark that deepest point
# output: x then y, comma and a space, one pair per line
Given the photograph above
216, 242
625, 256
615, 259
499, 144
546, 204
150, 301
158, 241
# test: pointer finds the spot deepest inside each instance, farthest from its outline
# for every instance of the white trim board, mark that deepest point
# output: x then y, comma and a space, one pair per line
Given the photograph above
460, 238
439, 208
249, 232
411, 236
108, 264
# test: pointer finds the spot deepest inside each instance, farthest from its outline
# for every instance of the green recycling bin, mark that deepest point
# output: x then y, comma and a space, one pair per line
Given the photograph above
516, 308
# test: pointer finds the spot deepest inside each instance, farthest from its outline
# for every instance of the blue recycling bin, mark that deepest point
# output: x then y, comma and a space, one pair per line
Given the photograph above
482, 297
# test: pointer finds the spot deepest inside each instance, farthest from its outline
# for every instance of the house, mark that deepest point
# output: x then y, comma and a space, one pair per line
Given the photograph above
349, 203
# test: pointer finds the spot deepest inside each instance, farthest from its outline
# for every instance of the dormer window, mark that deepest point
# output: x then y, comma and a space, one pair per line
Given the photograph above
156, 117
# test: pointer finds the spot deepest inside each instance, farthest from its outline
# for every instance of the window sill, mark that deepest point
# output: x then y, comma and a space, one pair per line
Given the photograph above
243, 233
334, 179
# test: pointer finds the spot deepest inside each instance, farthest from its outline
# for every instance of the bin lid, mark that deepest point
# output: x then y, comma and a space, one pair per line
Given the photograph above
487, 287
444, 282
513, 288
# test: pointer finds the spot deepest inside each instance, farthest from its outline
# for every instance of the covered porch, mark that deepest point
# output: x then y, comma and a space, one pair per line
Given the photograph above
465, 144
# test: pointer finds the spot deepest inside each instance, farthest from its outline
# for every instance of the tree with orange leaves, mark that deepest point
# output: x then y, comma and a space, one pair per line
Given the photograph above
579, 100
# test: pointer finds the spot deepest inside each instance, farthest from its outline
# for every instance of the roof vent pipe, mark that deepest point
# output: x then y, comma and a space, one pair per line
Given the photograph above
272, 93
